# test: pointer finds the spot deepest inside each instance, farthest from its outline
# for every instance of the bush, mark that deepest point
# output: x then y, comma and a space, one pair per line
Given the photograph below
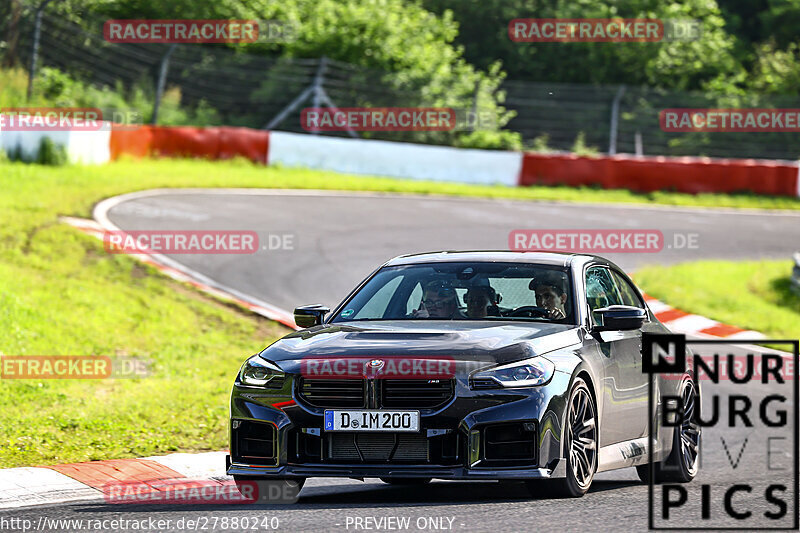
490, 140
51, 153
580, 147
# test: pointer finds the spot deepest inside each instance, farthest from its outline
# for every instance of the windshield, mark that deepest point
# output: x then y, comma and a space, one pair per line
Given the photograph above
464, 291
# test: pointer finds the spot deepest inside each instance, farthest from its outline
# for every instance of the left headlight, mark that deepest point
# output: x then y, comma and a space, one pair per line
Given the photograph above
258, 372
528, 373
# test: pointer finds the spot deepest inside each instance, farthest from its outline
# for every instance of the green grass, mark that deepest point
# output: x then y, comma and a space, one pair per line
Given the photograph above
753, 295
60, 294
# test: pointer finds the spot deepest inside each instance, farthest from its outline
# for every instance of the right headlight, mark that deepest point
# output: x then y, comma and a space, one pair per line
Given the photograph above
258, 372
532, 372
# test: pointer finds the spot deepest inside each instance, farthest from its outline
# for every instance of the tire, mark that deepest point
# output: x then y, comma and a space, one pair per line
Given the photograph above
682, 464
581, 453
406, 480
270, 490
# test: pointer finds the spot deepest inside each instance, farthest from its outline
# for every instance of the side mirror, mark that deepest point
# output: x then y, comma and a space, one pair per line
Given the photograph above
619, 318
308, 316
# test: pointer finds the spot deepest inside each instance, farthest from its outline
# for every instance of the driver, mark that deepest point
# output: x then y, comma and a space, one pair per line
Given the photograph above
551, 296
439, 300
481, 301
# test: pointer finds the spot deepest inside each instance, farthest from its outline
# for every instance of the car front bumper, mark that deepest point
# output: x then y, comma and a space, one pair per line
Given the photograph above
400, 471
468, 418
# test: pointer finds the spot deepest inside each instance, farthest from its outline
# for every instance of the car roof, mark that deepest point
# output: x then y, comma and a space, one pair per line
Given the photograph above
499, 256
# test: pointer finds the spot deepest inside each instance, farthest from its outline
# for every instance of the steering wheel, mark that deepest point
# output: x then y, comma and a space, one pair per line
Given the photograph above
529, 311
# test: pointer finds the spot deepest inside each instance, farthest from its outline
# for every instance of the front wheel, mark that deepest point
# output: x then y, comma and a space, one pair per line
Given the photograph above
683, 462
580, 445
267, 490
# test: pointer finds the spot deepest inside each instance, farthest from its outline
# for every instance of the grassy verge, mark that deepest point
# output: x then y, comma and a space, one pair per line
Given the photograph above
61, 294
753, 294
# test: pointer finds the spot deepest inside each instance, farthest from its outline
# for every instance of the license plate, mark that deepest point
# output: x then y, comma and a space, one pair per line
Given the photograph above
371, 420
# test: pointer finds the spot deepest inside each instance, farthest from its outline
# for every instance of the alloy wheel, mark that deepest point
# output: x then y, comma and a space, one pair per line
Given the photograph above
582, 437
690, 430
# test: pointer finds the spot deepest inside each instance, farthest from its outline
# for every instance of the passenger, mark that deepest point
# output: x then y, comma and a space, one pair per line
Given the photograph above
481, 301
439, 300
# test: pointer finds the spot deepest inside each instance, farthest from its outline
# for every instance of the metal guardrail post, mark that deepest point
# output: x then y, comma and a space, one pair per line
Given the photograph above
162, 81
37, 32
612, 134
318, 95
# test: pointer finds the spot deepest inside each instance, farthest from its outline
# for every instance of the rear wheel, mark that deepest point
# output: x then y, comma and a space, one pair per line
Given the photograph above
580, 445
406, 480
682, 464
268, 490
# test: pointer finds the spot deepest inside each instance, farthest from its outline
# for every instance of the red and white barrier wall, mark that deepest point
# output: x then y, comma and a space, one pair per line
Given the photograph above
646, 174
86, 147
425, 162
401, 160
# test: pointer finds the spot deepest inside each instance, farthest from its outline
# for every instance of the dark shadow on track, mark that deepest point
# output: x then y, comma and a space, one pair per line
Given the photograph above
371, 495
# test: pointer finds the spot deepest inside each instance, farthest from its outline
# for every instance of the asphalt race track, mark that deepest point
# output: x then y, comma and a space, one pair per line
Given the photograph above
340, 238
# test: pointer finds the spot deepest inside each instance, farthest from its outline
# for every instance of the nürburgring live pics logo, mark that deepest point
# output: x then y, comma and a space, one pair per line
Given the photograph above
765, 497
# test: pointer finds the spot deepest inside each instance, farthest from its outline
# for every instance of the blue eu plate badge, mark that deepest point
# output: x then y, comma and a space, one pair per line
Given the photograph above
328, 420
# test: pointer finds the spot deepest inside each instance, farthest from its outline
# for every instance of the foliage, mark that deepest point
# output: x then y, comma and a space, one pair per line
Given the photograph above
50, 153
580, 147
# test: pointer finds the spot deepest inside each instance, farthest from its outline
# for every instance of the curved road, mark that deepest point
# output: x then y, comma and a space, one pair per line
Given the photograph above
340, 237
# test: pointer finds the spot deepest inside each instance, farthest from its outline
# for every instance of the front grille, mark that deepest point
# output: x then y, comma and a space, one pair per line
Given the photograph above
333, 392
415, 393
378, 447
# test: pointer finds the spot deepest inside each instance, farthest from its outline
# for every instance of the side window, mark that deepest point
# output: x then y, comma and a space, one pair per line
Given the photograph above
414, 299
600, 290
628, 294
376, 306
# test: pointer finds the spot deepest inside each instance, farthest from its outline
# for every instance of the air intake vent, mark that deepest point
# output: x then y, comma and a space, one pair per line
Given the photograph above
254, 442
415, 393
484, 383
510, 443
378, 448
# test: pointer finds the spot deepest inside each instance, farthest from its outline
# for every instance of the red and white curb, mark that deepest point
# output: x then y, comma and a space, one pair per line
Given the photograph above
699, 326
90, 482
178, 272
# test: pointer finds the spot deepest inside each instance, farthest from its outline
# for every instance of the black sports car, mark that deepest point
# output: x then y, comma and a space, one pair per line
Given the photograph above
465, 365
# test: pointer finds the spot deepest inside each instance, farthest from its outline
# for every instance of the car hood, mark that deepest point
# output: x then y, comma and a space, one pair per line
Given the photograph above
477, 341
